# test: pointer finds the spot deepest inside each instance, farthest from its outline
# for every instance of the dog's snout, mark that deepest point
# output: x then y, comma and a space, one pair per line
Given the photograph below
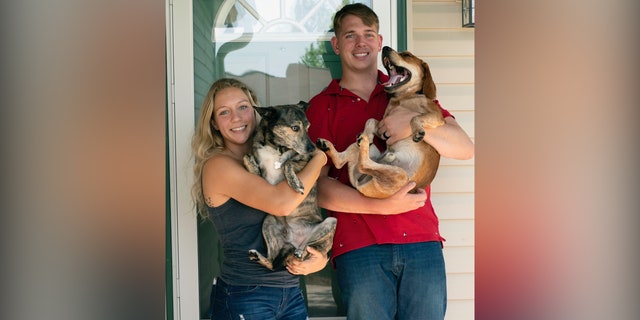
310, 147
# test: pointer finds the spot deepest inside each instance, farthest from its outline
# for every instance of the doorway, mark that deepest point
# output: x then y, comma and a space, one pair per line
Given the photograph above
281, 50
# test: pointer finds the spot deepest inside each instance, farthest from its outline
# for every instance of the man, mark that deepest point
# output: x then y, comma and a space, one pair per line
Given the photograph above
387, 252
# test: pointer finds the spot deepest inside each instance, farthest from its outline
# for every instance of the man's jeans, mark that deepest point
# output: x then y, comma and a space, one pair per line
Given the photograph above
256, 303
394, 281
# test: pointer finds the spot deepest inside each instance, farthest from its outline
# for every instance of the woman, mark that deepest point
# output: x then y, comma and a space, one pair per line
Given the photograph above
237, 201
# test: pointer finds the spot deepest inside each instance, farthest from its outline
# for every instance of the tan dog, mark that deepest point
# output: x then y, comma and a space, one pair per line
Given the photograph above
379, 175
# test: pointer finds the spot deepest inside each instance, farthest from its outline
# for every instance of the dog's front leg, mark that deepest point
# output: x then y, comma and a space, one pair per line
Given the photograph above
292, 178
430, 120
371, 129
339, 159
251, 164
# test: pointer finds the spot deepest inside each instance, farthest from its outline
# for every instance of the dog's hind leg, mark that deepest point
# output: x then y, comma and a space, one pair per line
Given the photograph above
254, 255
272, 231
319, 238
385, 179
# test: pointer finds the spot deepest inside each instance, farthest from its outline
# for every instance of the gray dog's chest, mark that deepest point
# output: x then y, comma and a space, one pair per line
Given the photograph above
271, 164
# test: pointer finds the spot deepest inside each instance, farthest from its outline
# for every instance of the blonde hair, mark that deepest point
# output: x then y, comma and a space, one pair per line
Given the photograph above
207, 141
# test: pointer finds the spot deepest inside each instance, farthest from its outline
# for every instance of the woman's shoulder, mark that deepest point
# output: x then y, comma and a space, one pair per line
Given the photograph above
217, 157
219, 167
222, 162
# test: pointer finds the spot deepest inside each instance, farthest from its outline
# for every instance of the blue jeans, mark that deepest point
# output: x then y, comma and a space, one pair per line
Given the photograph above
230, 302
394, 281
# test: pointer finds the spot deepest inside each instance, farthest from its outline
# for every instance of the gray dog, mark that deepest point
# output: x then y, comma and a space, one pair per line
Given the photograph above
281, 148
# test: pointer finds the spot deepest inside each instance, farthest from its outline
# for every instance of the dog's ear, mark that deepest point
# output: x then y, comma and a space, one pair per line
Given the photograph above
428, 86
304, 105
265, 112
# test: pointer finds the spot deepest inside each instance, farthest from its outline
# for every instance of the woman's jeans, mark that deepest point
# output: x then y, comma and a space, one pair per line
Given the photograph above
230, 302
393, 281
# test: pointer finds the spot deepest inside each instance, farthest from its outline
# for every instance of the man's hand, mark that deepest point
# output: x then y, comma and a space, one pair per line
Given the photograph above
403, 201
396, 125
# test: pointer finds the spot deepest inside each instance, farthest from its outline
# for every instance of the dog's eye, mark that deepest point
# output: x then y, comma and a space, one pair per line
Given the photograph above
295, 128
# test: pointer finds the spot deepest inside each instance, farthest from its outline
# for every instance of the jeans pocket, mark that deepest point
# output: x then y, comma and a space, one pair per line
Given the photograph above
240, 290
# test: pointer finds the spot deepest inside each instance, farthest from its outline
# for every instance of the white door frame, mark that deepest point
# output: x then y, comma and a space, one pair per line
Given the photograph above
180, 88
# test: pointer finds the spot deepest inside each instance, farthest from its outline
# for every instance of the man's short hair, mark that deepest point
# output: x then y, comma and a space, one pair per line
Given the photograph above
368, 16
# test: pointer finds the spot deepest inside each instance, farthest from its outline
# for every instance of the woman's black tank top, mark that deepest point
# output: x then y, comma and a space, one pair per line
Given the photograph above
239, 229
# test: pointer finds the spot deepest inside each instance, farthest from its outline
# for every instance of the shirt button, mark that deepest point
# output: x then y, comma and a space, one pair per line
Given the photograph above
405, 234
341, 245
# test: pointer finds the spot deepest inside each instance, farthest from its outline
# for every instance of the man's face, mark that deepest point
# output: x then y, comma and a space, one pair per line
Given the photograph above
357, 44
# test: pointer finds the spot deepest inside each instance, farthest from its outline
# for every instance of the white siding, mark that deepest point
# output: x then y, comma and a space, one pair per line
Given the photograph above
435, 35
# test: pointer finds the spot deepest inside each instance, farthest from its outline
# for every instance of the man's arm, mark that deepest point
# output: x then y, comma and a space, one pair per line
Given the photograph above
449, 139
336, 196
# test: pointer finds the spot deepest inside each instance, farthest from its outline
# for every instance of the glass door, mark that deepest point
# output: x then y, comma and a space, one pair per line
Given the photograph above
281, 49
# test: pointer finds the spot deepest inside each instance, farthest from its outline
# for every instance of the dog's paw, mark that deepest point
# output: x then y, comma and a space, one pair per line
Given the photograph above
300, 253
363, 138
322, 144
254, 255
418, 136
297, 187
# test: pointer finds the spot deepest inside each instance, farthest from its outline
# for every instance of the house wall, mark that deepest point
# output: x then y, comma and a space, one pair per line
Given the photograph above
435, 35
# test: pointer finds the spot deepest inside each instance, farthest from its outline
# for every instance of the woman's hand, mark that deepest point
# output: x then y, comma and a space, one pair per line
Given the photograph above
320, 155
314, 263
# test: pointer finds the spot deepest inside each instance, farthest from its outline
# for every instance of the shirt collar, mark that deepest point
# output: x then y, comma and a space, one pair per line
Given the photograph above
335, 88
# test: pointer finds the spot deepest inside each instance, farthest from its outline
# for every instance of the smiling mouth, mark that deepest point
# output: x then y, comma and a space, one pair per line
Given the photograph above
397, 75
239, 128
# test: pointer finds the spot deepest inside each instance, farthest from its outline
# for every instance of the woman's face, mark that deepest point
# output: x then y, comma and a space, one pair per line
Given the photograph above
233, 116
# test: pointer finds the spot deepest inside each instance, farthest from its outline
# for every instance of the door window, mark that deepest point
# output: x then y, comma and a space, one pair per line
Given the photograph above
281, 49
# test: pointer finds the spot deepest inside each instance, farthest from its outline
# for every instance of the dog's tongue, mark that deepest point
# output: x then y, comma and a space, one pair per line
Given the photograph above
393, 79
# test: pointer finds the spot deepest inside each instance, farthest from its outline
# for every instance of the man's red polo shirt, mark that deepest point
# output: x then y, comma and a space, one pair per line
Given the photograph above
338, 115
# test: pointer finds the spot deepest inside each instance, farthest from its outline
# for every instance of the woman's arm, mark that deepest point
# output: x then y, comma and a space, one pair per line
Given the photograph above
224, 178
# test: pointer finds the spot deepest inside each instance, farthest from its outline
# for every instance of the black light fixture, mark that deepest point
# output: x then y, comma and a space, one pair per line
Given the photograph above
468, 13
